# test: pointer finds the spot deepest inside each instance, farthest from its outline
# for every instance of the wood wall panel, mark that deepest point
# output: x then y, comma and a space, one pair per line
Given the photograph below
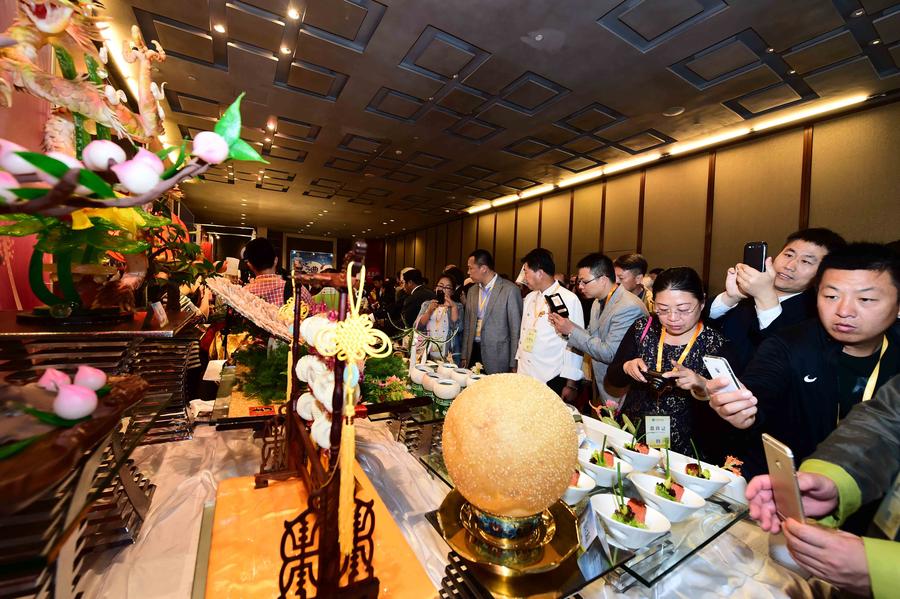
469, 225
420, 251
390, 257
526, 232
757, 198
440, 248
486, 231
586, 222
430, 249
454, 243
555, 227
855, 183
674, 213
620, 236
409, 257
504, 254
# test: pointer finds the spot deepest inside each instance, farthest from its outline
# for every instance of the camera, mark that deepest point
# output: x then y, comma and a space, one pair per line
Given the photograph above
441, 297
657, 380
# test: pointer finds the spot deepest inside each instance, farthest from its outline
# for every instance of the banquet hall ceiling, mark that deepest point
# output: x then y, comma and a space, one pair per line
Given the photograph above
398, 111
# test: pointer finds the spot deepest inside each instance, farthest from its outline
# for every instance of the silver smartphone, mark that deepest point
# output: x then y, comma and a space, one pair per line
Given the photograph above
785, 489
719, 367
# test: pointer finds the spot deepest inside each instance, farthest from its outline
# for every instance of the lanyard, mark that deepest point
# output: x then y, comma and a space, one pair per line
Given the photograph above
873, 378
684, 354
609, 295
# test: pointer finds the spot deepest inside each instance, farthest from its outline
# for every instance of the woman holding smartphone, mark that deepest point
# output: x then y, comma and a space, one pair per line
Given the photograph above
661, 360
441, 319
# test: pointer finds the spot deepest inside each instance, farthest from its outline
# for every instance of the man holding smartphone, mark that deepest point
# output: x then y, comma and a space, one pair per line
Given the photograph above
543, 353
804, 380
858, 463
757, 303
613, 311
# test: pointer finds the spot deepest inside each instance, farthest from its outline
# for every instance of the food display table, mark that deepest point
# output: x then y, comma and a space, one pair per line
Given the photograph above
163, 564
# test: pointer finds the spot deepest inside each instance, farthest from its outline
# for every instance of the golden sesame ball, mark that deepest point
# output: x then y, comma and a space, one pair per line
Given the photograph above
510, 445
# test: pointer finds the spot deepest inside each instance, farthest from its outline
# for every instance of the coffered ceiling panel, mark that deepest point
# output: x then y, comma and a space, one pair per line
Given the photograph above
406, 112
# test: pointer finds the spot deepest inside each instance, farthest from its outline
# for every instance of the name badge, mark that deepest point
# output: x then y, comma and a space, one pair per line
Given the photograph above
528, 340
887, 518
588, 527
658, 429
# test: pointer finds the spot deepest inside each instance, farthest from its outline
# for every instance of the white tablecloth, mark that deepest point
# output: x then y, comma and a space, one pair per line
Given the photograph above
161, 564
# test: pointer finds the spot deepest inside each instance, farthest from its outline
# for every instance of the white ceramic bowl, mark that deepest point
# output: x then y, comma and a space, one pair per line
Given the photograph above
445, 388
445, 370
624, 535
417, 373
675, 511
605, 477
474, 378
429, 380
596, 429
575, 493
461, 376
642, 462
701, 486
431, 365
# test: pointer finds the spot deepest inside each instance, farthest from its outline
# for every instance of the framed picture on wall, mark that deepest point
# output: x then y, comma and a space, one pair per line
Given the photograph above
312, 262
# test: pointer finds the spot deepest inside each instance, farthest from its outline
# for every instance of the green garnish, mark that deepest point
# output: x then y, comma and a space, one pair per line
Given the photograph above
697, 469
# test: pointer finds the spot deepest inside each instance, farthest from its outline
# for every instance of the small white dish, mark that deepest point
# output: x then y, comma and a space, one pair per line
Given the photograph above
605, 477
417, 373
675, 511
445, 389
474, 378
461, 376
575, 493
701, 486
445, 370
642, 462
429, 380
625, 535
431, 365
596, 430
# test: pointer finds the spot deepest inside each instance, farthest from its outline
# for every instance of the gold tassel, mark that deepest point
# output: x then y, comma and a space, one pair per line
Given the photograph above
290, 371
346, 506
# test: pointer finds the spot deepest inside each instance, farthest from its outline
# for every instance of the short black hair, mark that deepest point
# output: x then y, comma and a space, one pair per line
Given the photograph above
632, 262
260, 253
540, 259
455, 274
680, 278
655, 271
414, 276
820, 236
378, 278
483, 258
863, 256
599, 264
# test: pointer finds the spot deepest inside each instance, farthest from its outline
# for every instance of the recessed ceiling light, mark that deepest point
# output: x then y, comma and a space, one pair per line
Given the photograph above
538, 37
285, 50
792, 72
446, 210
673, 111
219, 28
383, 222
392, 220
398, 152
294, 13
310, 222
268, 140
270, 126
875, 42
192, 78
324, 211
770, 50
858, 12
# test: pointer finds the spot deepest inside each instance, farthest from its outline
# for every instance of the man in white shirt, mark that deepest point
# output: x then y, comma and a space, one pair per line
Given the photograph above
543, 353
756, 304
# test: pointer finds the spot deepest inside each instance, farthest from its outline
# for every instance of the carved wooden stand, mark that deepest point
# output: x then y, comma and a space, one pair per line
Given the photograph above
310, 551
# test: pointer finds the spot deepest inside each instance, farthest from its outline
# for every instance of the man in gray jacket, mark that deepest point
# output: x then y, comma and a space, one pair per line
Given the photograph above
493, 316
613, 312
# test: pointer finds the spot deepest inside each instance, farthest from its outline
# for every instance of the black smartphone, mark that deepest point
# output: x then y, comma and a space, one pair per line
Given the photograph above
440, 297
755, 253
557, 305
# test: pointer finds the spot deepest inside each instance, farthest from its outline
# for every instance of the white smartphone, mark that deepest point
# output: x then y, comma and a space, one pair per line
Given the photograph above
785, 489
719, 367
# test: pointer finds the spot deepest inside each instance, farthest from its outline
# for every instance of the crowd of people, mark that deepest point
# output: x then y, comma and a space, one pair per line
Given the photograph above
811, 338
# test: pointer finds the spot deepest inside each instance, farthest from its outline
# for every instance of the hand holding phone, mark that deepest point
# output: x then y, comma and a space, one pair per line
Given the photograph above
755, 253
719, 367
556, 305
785, 489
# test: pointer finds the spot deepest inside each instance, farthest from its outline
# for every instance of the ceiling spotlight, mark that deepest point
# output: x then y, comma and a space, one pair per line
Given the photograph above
398, 152
770, 50
792, 72
270, 126
858, 12
392, 220
294, 13
383, 223
285, 50
875, 42
673, 111
219, 28
446, 210
324, 211
192, 78
268, 140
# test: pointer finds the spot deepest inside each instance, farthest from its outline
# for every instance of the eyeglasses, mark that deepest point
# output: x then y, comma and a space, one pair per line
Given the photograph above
447, 287
583, 282
681, 312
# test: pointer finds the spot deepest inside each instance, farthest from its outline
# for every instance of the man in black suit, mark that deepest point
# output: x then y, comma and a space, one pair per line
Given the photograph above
417, 294
757, 304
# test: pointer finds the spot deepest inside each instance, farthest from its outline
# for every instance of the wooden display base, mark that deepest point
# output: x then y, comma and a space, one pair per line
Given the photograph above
248, 526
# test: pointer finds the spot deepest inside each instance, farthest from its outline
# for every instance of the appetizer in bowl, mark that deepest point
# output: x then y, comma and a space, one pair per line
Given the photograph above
630, 522
602, 464
581, 484
638, 454
674, 501
702, 478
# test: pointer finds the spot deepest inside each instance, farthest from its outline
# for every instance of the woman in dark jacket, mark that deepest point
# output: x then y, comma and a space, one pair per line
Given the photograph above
672, 341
